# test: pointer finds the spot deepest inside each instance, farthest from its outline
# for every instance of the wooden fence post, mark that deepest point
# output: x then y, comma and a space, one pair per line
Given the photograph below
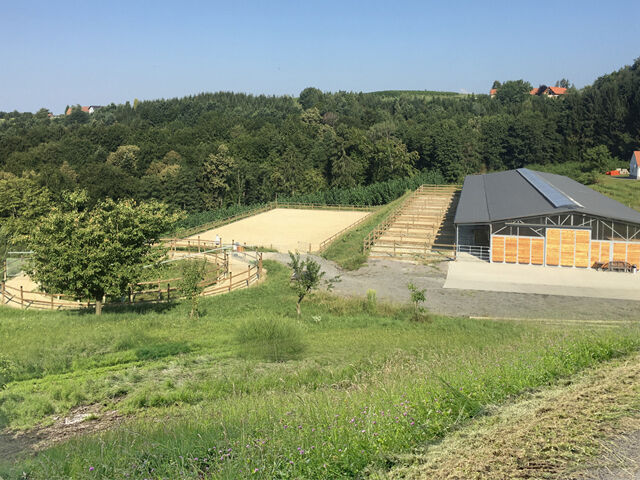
3, 291
21, 297
198, 243
51, 302
259, 265
130, 294
230, 280
168, 291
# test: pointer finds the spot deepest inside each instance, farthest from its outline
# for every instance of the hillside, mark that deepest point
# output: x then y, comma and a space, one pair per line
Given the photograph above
213, 150
249, 389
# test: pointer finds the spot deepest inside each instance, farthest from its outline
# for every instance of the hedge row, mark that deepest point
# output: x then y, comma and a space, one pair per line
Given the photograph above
375, 194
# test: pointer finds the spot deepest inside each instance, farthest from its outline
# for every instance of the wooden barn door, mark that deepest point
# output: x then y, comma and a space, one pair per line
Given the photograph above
568, 247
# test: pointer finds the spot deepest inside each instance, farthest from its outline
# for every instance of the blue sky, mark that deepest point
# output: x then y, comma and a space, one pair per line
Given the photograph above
55, 53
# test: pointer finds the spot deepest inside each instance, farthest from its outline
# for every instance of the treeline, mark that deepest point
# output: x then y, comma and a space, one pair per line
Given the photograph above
378, 193
213, 151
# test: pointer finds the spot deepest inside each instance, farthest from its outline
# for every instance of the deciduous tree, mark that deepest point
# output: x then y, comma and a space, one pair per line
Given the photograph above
93, 252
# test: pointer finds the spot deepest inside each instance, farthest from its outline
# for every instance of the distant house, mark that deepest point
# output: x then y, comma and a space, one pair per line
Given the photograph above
88, 109
634, 166
548, 91
552, 92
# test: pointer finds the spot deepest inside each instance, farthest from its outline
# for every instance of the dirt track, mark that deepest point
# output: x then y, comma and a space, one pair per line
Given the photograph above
286, 229
389, 279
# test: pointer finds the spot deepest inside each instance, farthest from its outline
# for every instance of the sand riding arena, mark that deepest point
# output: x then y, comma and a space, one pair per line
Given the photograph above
229, 248
286, 229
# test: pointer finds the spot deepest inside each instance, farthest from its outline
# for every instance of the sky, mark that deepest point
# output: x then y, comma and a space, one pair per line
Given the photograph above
58, 53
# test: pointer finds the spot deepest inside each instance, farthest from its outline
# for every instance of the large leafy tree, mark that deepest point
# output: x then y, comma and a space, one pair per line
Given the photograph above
93, 252
216, 177
22, 203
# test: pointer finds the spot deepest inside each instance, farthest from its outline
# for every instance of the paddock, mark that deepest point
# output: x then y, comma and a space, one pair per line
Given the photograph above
285, 229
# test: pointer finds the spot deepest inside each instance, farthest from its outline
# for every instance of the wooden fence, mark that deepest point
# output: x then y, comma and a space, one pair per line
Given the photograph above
265, 208
224, 281
325, 243
382, 227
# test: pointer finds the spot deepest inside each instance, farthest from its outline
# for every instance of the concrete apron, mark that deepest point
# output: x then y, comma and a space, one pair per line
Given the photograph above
574, 282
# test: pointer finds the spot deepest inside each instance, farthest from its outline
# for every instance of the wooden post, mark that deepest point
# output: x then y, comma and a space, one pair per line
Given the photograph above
259, 266
159, 292
21, 297
130, 294
51, 302
3, 291
230, 280
168, 291
198, 243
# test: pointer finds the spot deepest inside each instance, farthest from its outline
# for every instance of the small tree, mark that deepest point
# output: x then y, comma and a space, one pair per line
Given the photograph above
190, 285
306, 276
417, 298
90, 253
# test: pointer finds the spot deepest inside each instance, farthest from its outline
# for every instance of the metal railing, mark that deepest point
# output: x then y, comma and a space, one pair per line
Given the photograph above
479, 251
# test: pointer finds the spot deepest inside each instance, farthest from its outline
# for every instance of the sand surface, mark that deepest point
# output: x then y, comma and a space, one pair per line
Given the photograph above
285, 229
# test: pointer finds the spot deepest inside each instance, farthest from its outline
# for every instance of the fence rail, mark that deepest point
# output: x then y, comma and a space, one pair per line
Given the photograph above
325, 243
479, 251
223, 281
265, 208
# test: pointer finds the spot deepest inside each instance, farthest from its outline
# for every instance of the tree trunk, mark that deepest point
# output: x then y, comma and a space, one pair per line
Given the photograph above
99, 306
298, 307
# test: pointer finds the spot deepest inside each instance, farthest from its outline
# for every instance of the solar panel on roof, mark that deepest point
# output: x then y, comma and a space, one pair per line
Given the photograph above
548, 191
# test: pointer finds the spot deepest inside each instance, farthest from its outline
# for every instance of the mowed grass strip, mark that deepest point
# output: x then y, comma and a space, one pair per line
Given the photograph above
347, 249
360, 388
567, 431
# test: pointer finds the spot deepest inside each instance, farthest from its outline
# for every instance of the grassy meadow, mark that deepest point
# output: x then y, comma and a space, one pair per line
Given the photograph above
250, 390
622, 189
346, 250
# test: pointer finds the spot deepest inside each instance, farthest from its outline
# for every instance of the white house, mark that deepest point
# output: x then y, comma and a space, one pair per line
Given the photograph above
634, 166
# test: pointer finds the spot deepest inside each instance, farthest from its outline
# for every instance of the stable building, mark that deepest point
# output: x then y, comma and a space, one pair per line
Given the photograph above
538, 218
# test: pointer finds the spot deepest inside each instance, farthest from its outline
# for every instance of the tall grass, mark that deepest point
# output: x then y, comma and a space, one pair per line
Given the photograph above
370, 384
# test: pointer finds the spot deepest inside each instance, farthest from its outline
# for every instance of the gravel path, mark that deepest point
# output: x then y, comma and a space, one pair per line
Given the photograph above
389, 278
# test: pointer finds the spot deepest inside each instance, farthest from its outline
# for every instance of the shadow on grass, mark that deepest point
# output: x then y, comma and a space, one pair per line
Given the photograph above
156, 307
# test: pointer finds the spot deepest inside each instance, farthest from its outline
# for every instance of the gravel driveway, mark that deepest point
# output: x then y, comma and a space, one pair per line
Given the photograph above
389, 278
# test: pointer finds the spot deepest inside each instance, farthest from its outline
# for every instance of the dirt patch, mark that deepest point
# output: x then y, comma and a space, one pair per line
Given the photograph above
389, 278
79, 421
549, 434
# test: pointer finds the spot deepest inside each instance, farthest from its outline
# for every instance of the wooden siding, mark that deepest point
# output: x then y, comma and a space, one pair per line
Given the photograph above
553, 246
582, 248
619, 252
497, 249
567, 247
537, 251
633, 254
524, 250
511, 249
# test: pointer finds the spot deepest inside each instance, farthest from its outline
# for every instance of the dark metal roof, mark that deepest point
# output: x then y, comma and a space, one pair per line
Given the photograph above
509, 195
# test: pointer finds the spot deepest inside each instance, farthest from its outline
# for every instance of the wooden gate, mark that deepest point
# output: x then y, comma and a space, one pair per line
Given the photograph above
568, 247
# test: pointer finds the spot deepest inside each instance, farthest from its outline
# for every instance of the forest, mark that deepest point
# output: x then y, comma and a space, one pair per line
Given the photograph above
213, 151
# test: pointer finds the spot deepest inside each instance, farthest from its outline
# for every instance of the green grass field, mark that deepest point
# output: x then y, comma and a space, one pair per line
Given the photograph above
353, 384
346, 250
622, 189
